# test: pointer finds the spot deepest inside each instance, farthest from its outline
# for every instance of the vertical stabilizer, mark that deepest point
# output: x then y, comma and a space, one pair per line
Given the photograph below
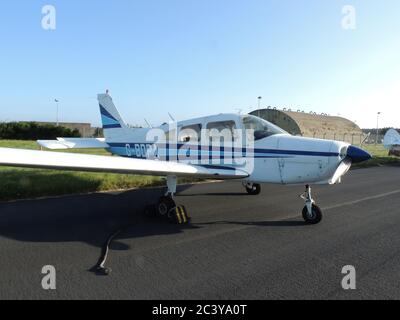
113, 125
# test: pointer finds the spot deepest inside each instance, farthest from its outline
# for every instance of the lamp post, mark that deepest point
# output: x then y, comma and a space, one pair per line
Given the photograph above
377, 127
259, 105
57, 103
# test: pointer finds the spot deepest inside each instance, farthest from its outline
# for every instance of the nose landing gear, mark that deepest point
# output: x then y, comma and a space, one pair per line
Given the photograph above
312, 214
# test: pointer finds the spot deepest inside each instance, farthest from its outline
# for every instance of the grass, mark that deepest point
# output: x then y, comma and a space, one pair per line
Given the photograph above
16, 183
32, 145
380, 157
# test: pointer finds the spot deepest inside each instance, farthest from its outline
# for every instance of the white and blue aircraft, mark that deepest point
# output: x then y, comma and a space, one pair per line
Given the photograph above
255, 152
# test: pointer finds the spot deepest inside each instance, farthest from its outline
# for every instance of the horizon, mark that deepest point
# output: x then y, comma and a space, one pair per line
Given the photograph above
133, 125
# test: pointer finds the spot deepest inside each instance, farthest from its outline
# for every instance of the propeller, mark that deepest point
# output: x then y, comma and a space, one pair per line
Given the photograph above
351, 155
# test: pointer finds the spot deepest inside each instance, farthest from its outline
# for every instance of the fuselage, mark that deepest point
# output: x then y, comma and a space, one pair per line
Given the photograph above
267, 153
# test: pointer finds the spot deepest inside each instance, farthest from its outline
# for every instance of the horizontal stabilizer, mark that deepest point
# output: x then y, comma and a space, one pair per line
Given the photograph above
73, 143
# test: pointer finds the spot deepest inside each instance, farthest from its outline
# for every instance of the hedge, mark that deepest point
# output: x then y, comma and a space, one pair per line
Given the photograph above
34, 131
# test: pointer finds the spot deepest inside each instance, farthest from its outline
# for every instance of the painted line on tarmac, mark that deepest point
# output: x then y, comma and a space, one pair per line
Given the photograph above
379, 196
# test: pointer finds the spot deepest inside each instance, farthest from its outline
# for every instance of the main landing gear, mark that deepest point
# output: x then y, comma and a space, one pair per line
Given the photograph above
166, 208
253, 189
312, 214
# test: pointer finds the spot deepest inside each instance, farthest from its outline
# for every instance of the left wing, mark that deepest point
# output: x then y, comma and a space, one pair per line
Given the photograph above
93, 163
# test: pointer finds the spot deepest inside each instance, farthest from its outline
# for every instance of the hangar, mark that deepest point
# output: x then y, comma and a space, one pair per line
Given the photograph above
313, 125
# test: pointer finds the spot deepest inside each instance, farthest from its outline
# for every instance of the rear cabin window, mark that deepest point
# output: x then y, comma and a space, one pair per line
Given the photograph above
190, 133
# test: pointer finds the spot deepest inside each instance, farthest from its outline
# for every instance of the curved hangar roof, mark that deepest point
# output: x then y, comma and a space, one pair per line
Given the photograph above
308, 124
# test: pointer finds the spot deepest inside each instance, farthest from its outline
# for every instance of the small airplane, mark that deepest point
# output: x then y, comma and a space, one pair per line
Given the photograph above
391, 142
237, 147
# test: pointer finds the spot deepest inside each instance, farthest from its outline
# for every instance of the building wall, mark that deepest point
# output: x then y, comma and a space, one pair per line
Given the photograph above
86, 130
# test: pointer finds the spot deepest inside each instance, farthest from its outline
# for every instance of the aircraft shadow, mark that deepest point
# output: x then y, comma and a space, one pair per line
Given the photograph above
86, 218
215, 194
283, 223
92, 218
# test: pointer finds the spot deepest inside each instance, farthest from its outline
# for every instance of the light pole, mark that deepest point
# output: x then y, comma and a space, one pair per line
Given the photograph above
259, 105
377, 127
57, 103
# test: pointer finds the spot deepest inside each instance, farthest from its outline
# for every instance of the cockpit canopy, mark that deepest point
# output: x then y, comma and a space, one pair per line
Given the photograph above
262, 129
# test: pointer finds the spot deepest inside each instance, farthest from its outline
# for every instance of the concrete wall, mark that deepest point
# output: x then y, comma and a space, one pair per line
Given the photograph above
86, 130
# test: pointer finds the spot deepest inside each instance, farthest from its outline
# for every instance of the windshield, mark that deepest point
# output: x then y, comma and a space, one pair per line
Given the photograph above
262, 129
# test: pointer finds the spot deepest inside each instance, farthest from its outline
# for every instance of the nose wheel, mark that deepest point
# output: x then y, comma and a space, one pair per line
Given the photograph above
312, 214
315, 217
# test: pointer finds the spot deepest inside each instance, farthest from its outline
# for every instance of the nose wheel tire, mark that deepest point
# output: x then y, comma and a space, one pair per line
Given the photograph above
315, 217
253, 189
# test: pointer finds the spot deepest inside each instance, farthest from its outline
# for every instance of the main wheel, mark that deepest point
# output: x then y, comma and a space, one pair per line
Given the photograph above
315, 217
253, 189
164, 206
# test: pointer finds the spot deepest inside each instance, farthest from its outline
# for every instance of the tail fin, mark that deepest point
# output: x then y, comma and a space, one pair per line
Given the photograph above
113, 125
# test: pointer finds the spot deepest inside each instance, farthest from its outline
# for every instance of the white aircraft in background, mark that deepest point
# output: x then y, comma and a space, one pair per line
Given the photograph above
259, 152
392, 141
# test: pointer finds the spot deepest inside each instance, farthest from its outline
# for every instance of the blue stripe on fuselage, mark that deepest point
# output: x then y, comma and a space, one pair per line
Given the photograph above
273, 153
112, 126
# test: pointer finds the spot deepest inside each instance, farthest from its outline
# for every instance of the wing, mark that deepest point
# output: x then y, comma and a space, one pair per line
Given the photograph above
93, 163
73, 143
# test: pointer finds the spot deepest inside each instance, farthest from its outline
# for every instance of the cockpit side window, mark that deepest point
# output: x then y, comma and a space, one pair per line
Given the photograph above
262, 129
221, 125
222, 130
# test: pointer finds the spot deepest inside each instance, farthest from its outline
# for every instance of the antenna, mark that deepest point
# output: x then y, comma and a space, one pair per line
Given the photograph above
148, 123
172, 118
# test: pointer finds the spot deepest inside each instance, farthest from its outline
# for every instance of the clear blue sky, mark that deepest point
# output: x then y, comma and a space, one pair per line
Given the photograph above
197, 57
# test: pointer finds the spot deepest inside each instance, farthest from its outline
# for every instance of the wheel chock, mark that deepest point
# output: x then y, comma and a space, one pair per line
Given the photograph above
179, 215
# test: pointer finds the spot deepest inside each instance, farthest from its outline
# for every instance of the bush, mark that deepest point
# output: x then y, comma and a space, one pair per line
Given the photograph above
35, 131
